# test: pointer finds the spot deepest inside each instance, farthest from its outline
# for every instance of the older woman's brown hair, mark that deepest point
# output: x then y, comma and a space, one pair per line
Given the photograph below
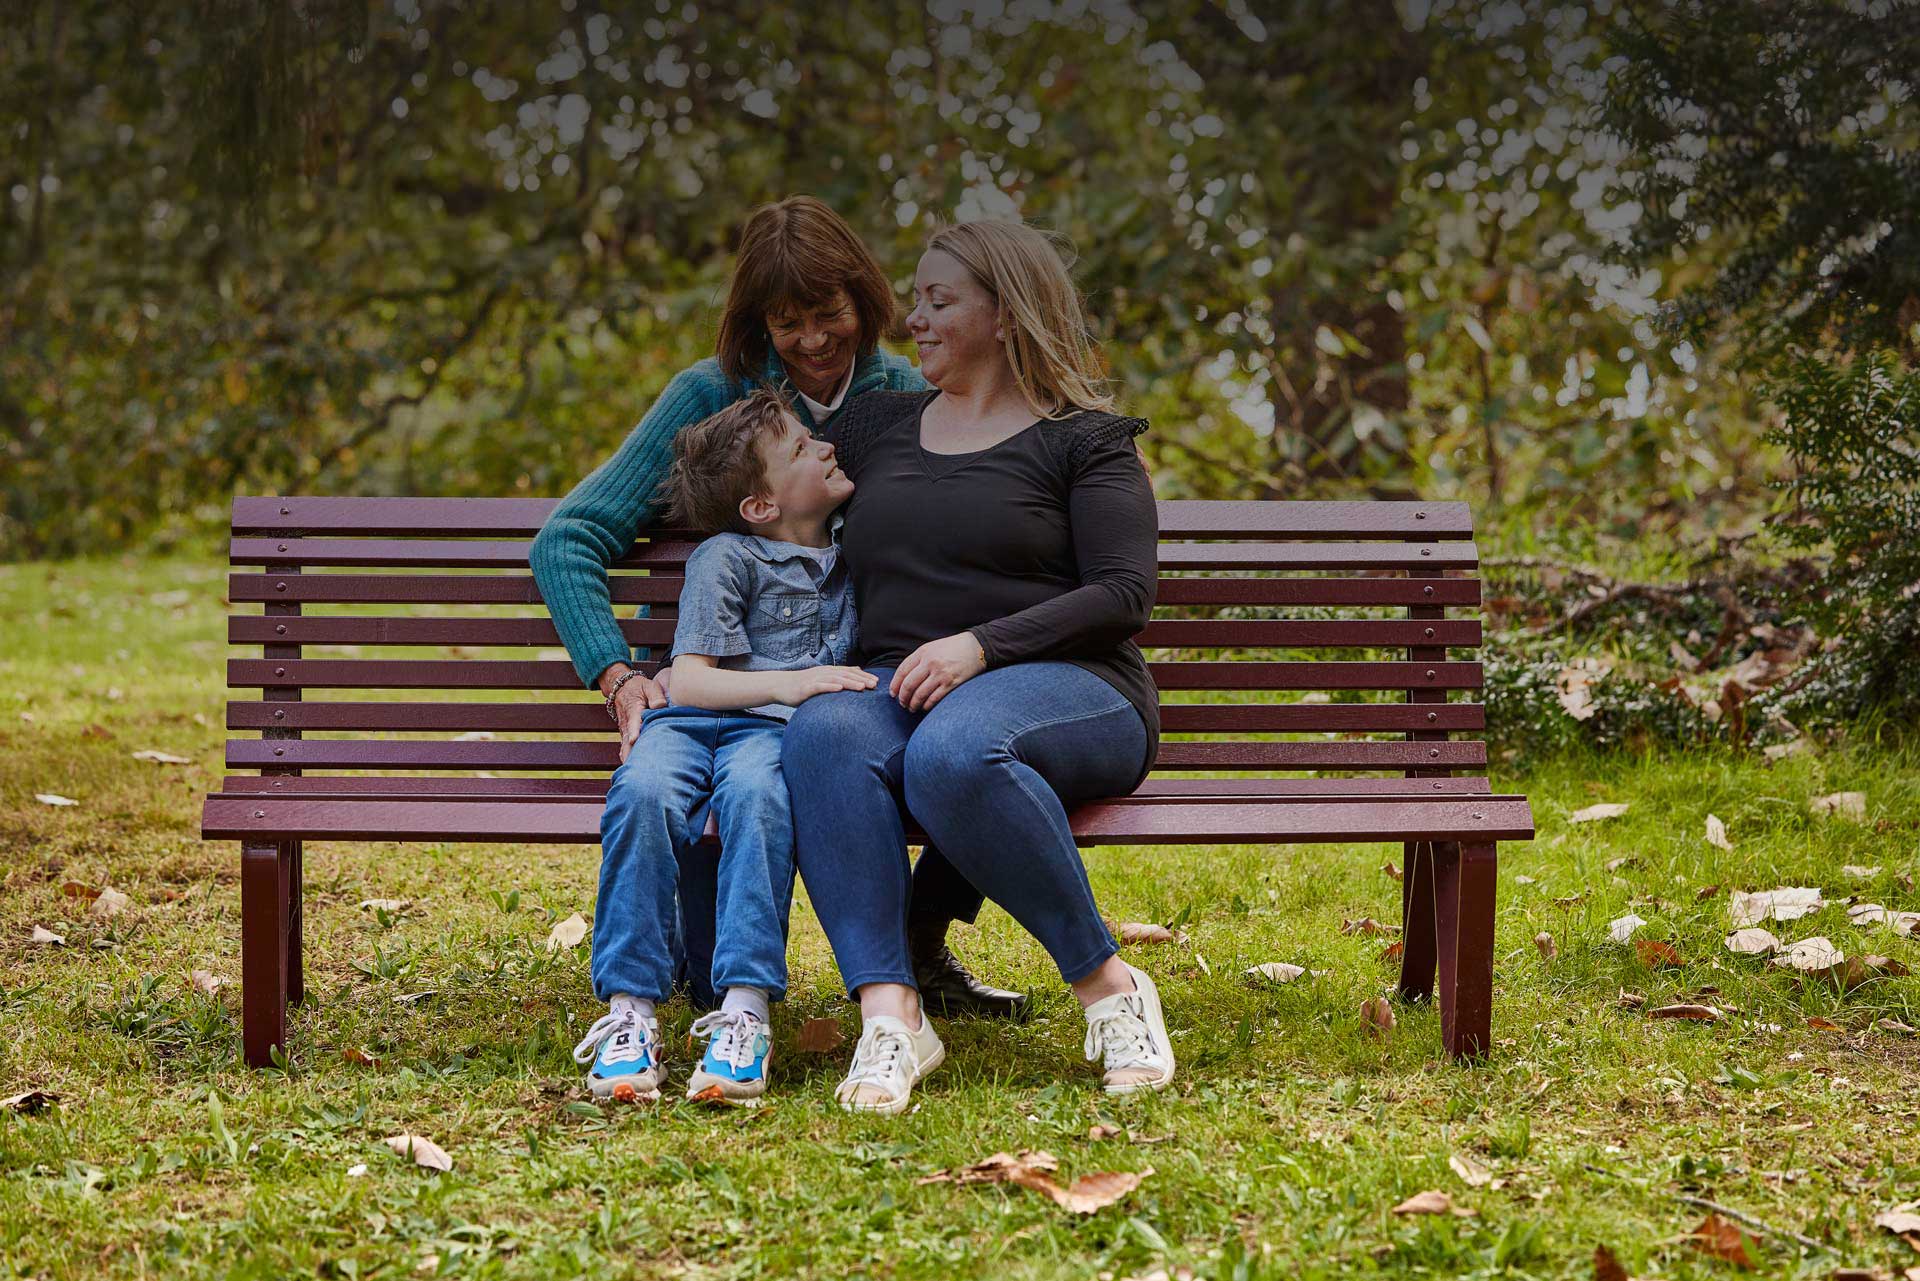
795, 253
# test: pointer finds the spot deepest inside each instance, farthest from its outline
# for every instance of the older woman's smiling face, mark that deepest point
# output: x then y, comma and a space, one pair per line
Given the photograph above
816, 343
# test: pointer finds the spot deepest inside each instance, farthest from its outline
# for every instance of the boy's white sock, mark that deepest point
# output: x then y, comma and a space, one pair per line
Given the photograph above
747, 1000
641, 1007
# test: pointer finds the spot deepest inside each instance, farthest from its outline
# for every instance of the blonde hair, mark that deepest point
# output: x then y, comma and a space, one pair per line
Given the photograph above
1056, 362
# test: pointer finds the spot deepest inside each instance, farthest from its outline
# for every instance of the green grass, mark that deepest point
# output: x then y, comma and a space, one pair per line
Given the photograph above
1288, 1139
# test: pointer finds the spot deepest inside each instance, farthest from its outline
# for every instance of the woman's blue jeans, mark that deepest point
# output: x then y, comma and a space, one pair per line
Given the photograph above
989, 773
657, 805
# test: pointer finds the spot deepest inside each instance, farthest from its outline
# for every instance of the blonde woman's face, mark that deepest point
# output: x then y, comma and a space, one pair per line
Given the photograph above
953, 321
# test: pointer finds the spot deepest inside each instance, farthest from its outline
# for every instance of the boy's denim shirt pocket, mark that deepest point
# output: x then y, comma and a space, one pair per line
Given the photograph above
784, 625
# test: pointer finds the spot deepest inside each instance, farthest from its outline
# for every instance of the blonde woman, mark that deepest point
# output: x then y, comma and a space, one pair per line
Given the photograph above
1001, 540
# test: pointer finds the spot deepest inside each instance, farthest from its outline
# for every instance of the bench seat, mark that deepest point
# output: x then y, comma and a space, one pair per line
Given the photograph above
1332, 720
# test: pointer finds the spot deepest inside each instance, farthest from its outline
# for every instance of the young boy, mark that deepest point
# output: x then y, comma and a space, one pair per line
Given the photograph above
766, 622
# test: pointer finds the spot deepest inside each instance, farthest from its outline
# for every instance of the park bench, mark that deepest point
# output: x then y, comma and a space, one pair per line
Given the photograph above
358, 746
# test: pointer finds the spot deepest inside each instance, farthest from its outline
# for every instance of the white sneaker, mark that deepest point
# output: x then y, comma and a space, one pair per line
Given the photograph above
890, 1060
627, 1058
1129, 1031
739, 1050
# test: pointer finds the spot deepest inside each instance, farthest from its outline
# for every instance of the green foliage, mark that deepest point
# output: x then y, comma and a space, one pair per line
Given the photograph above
1852, 428
1783, 136
456, 248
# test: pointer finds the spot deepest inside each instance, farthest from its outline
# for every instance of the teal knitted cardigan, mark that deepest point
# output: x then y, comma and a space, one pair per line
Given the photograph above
595, 524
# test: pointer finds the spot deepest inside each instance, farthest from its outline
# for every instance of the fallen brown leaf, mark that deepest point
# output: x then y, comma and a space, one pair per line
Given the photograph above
1471, 1172
1367, 925
1721, 1239
1851, 805
1376, 1016
1857, 872
1900, 1220
1595, 813
425, 1153
1816, 955
1276, 971
712, 1094
74, 889
569, 933
1095, 1133
1548, 948
1717, 833
1034, 1171
1393, 951
96, 731
1705, 892
819, 1036
1752, 941
1621, 930
1788, 903
162, 758
31, 1103
1606, 1267
205, 981
1893, 1025
1657, 955
354, 1054
1702, 1013
109, 904
1631, 1000
1144, 932
1393, 872
1432, 1203
1822, 1025
47, 938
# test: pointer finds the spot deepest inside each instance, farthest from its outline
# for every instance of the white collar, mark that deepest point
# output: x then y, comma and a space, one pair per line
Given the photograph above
819, 411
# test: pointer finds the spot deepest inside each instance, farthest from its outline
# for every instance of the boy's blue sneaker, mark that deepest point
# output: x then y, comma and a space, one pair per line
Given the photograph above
625, 1051
739, 1047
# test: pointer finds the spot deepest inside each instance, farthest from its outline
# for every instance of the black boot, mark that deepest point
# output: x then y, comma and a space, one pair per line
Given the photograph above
946, 988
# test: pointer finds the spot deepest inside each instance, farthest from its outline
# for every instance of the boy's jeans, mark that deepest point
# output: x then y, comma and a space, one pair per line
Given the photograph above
657, 804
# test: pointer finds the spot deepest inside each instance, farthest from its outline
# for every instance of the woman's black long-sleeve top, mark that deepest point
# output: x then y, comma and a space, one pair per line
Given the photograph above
1043, 546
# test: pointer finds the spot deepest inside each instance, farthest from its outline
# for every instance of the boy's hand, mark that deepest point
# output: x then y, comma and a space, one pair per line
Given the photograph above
797, 687
931, 672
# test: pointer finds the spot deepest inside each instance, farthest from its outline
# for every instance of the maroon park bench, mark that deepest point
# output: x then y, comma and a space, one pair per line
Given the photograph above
1302, 650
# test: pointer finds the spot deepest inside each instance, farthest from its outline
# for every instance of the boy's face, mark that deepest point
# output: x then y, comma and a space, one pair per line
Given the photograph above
804, 480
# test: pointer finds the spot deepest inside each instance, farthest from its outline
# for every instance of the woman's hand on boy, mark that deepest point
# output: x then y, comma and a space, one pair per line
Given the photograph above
797, 687
931, 672
633, 701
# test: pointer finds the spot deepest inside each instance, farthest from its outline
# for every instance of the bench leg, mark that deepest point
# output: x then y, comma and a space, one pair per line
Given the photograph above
1416, 922
296, 972
266, 918
1463, 892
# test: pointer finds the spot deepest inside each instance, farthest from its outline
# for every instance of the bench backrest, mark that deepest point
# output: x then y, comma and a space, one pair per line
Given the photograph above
1287, 636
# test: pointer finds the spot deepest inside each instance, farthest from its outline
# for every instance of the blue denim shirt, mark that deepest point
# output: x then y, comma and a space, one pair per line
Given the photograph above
758, 605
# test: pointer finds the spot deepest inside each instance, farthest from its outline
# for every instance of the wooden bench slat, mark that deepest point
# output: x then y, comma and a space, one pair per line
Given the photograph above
404, 786
525, 632
531, 674
1166, 821
446, 754
522, 517
670, 555
585, 717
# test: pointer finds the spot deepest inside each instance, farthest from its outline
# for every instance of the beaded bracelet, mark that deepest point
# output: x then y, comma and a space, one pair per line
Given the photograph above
614, 693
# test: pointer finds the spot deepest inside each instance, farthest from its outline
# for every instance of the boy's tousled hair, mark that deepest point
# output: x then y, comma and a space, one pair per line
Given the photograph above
717, 464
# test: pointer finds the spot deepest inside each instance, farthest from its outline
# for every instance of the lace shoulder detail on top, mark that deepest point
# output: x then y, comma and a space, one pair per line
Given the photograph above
1074, 440
865, 418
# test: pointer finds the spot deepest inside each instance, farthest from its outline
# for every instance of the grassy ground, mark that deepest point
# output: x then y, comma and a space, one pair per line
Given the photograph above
1290, 1137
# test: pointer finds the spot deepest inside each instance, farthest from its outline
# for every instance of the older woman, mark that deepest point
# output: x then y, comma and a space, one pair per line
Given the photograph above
1001, 539
805, 312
